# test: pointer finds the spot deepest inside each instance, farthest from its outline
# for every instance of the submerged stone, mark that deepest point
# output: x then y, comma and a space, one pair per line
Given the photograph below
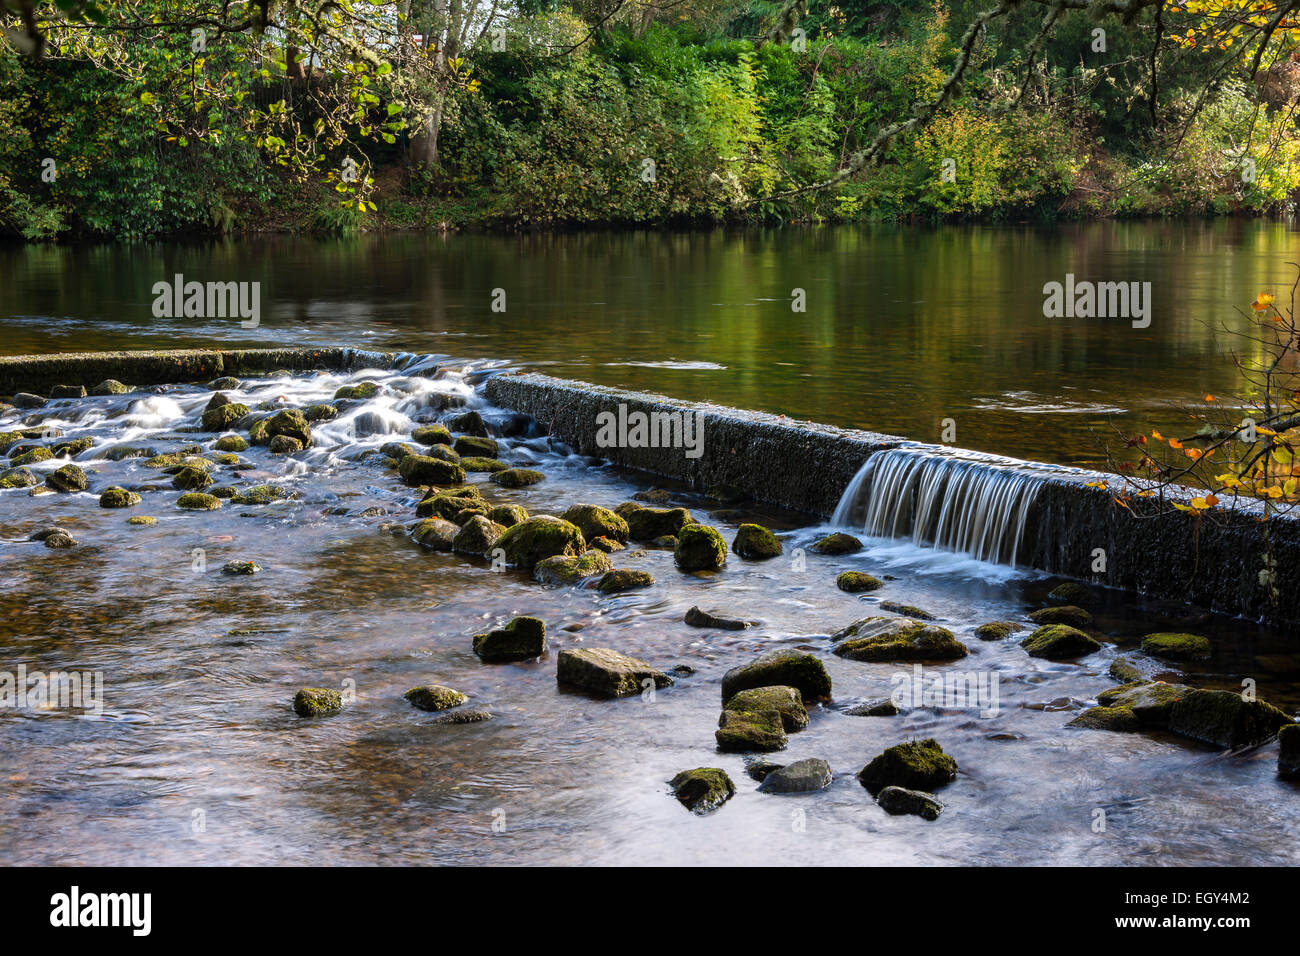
907, 610
317, 702
897, 639
997, 630
877, 707
524, 638
1150, 701
1224, 719
837, 543
607, 673
1177, 647
750, 730
198, 501
434, 697
597, 522
755, 542
469, 716
1059, 642
703, 789
918, 765
802, 776
58, 539
1068, 614
517, 477
142, 520
67, 479
621, 579
786, 701
567, 569
241, 567
191, 478
856, 582
1072, 592
700, 548
900, 801
792, 668
116, 497
1125, 671
697, 618
261, 495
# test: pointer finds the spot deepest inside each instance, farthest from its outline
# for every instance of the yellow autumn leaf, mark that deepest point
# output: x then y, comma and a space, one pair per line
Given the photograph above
1262, 301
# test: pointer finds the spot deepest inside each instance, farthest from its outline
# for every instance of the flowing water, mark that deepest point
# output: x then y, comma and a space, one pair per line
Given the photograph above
197, 756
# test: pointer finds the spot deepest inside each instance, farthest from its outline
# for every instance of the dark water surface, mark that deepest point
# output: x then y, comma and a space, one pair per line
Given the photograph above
904, 327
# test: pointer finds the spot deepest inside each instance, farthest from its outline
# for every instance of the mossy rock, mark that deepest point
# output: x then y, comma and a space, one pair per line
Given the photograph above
786, 701
434, 697
191, 478
524, 638
1224, 719
32, 457
68, 391
857, 582
317, 702
18, 478
474, 464
426, 470
668, 542
28, 400
750, 731
646, 524
563, 569
703, 789
142, 520
1120, 719
607, 673
1059, 642
477, 536
508, 515
539, 538
607, 545
110, 386
597, 522
223, 417
802, 776
474, 446
361, 390
1150, 701
396, 450
1072, 592
517, 477
71, 449
915, 765
240, 568
261, 495
1125, 671
470, 422
174, 461
784, 667
1177, 647
997, 630
471, 510
446, 505
59, 539
755, 543
877, 707
230, 443
116, 497
436, 534
291, 423
622, 579
198, 501
900, 801
1288, 752
67, 479
319, 413
897, 639
626, 508
1066, 614
259, 432
431, 435
700, 548
837, 543
445, 453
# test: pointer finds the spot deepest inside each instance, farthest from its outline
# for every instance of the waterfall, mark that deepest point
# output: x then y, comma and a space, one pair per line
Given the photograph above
951, 499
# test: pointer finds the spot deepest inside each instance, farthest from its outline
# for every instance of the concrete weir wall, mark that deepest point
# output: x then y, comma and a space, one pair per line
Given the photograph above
1212, 561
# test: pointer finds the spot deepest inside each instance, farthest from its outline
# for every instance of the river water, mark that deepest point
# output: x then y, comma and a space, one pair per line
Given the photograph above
198, 757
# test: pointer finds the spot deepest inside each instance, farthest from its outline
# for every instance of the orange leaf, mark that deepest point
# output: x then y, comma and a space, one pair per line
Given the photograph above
1175, 443
1262, 301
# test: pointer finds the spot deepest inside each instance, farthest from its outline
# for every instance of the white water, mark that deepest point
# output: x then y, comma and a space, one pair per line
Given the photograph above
951, 500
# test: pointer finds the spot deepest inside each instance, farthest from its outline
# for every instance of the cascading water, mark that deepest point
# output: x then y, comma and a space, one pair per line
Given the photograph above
954, 500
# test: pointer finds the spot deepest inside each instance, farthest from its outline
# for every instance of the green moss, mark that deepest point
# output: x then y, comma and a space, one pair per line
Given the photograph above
261, 495
1121, 719
317, 702
897, 639
1058, 642
837, 543
531, 541
597, 522
291, 423
1068, 614
621, 579
448, 504
475, 446
434, 697
235, 568
474, 464
118, 498
32, 457
1288, 752
319, 413
110, 386
67, 479
786, 701
1124, 671
907, 610
562, 569
788, 667
855, 582
197, 501
1177, 647
646, 524
606, 545
508, 515
223, 417
431, 435
191, 478
71, 449
699, 548
524, 638
997, 630
142, 520
919, 765
477, 536
749, 731
362, 390
1150, 701
703, 789
1225, 719
436, 534
426, 470
396, 450
18, 478
1072, 592
230, 443
259, 432
756, 543
517, 477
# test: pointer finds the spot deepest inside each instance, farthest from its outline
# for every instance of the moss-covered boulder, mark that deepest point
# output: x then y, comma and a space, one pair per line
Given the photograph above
1121, 719
32, 456
28, 400
786, 701
71, 449
1177, 647
646, 524
523, 639
607, 673
1150, 701
110, 386
751, 731
230, 443
470, 422
906, 610
1059, 642
755, 543
223, 417
434, 697
623, 579
191, 478
426, 470
785, 667
597, 522
1072, 592
626, 508
473, 446
1125, 671
477, 536
142, 520
897, 639
291, 423
703, 789
240, 568
116, 497
396, 450
700, 548
517, 477
508, 515
261, 495
539, 538
431, 435
1288, 752
607, 545
857, 582
198, 501
1225, 719
319, 413
915, 765
59, 539
436, 534
68, 391
837, 543
317, 702
997, 630
361, 390
448, 504
259, 432
18, 478
1066, 614
67, 479
566, 569
445, 453
474, 464
802, 776
900, 801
